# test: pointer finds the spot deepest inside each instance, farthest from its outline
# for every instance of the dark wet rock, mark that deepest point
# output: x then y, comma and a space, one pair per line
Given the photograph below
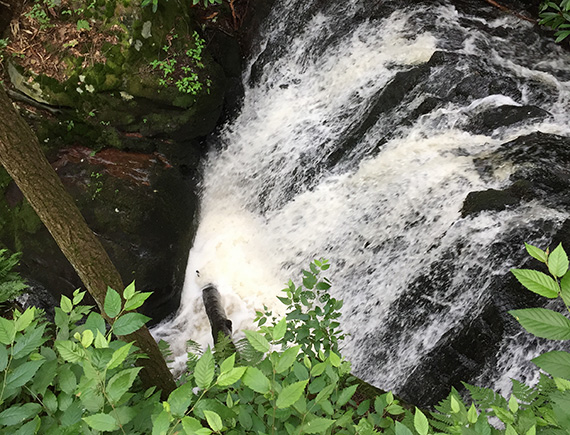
497, 200
141, 206
469, 349
502, 116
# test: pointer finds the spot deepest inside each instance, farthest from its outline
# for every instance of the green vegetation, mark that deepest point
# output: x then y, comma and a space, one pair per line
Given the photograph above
556, 16
11, 283
288, 376
181, 71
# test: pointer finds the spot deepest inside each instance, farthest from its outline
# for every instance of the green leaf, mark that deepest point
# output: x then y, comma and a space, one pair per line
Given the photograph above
136, 301
256, 380
160, 423
119, 356
565, 289
402, 430
257, 341
280, 329
83, 25
334, 359
214, 420
113, 303
7, 331
23, 373
204, 370
69, 351
472, 414
95, 323
129, 291
30, 342
25, 319
543, 323
454, 405
180, 399
101, 422
190, 425
286, 359
318, 425
87, 338
19, 413
67, 380
558, 261
100, 341
555, 363
231, 377
78, 297
325, 393
537, 253
346, 395
421, 422
129, 323
228, 363
290, 394
120, 384
3, 358
513, 404
66, 304
537, 282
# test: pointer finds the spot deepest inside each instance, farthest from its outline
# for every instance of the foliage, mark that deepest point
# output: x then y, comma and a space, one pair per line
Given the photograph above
11, 283
556, 16
288, 378
182, 71
206, 3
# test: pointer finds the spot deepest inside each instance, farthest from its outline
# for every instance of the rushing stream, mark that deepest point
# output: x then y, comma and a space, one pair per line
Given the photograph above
364, 127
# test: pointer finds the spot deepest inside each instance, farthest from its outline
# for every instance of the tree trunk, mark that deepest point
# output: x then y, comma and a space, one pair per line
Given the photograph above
22, 157
219, 322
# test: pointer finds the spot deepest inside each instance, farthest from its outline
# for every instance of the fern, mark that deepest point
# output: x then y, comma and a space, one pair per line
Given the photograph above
194, 351
11, 283
523, 392
486, 398
247, 354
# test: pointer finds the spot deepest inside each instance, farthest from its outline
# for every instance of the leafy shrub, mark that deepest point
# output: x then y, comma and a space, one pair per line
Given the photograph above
288, 378
11, 283
556, 16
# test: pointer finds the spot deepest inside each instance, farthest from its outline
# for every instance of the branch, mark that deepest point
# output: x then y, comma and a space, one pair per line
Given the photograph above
510, 11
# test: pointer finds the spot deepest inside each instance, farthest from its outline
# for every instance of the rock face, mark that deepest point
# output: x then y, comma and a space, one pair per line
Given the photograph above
541, 173
129, 98
142, 206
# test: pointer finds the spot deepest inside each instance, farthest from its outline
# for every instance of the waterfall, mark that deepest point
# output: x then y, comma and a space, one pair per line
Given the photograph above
362, 130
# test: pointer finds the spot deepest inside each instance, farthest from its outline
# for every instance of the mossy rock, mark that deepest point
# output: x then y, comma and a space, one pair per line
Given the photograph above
125, 90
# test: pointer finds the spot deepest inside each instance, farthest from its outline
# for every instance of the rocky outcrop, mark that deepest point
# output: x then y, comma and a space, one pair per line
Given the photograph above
138, 71
142, 206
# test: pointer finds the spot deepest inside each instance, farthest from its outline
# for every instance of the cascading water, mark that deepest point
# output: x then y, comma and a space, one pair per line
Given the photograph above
363, 129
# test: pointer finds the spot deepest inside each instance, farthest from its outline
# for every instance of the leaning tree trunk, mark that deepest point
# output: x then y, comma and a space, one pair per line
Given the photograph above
22, 157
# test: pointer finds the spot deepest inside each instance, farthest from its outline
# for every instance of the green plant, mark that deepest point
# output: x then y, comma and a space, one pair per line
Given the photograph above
181, 71
287, 378
11, 283
96, 183
207, 2
74, 379
39, 14
556, 16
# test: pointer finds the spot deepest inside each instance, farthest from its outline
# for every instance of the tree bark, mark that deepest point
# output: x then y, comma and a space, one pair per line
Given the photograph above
22, 157
219, 322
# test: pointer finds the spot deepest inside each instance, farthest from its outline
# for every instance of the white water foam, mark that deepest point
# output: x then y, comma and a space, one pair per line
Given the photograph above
381, 221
